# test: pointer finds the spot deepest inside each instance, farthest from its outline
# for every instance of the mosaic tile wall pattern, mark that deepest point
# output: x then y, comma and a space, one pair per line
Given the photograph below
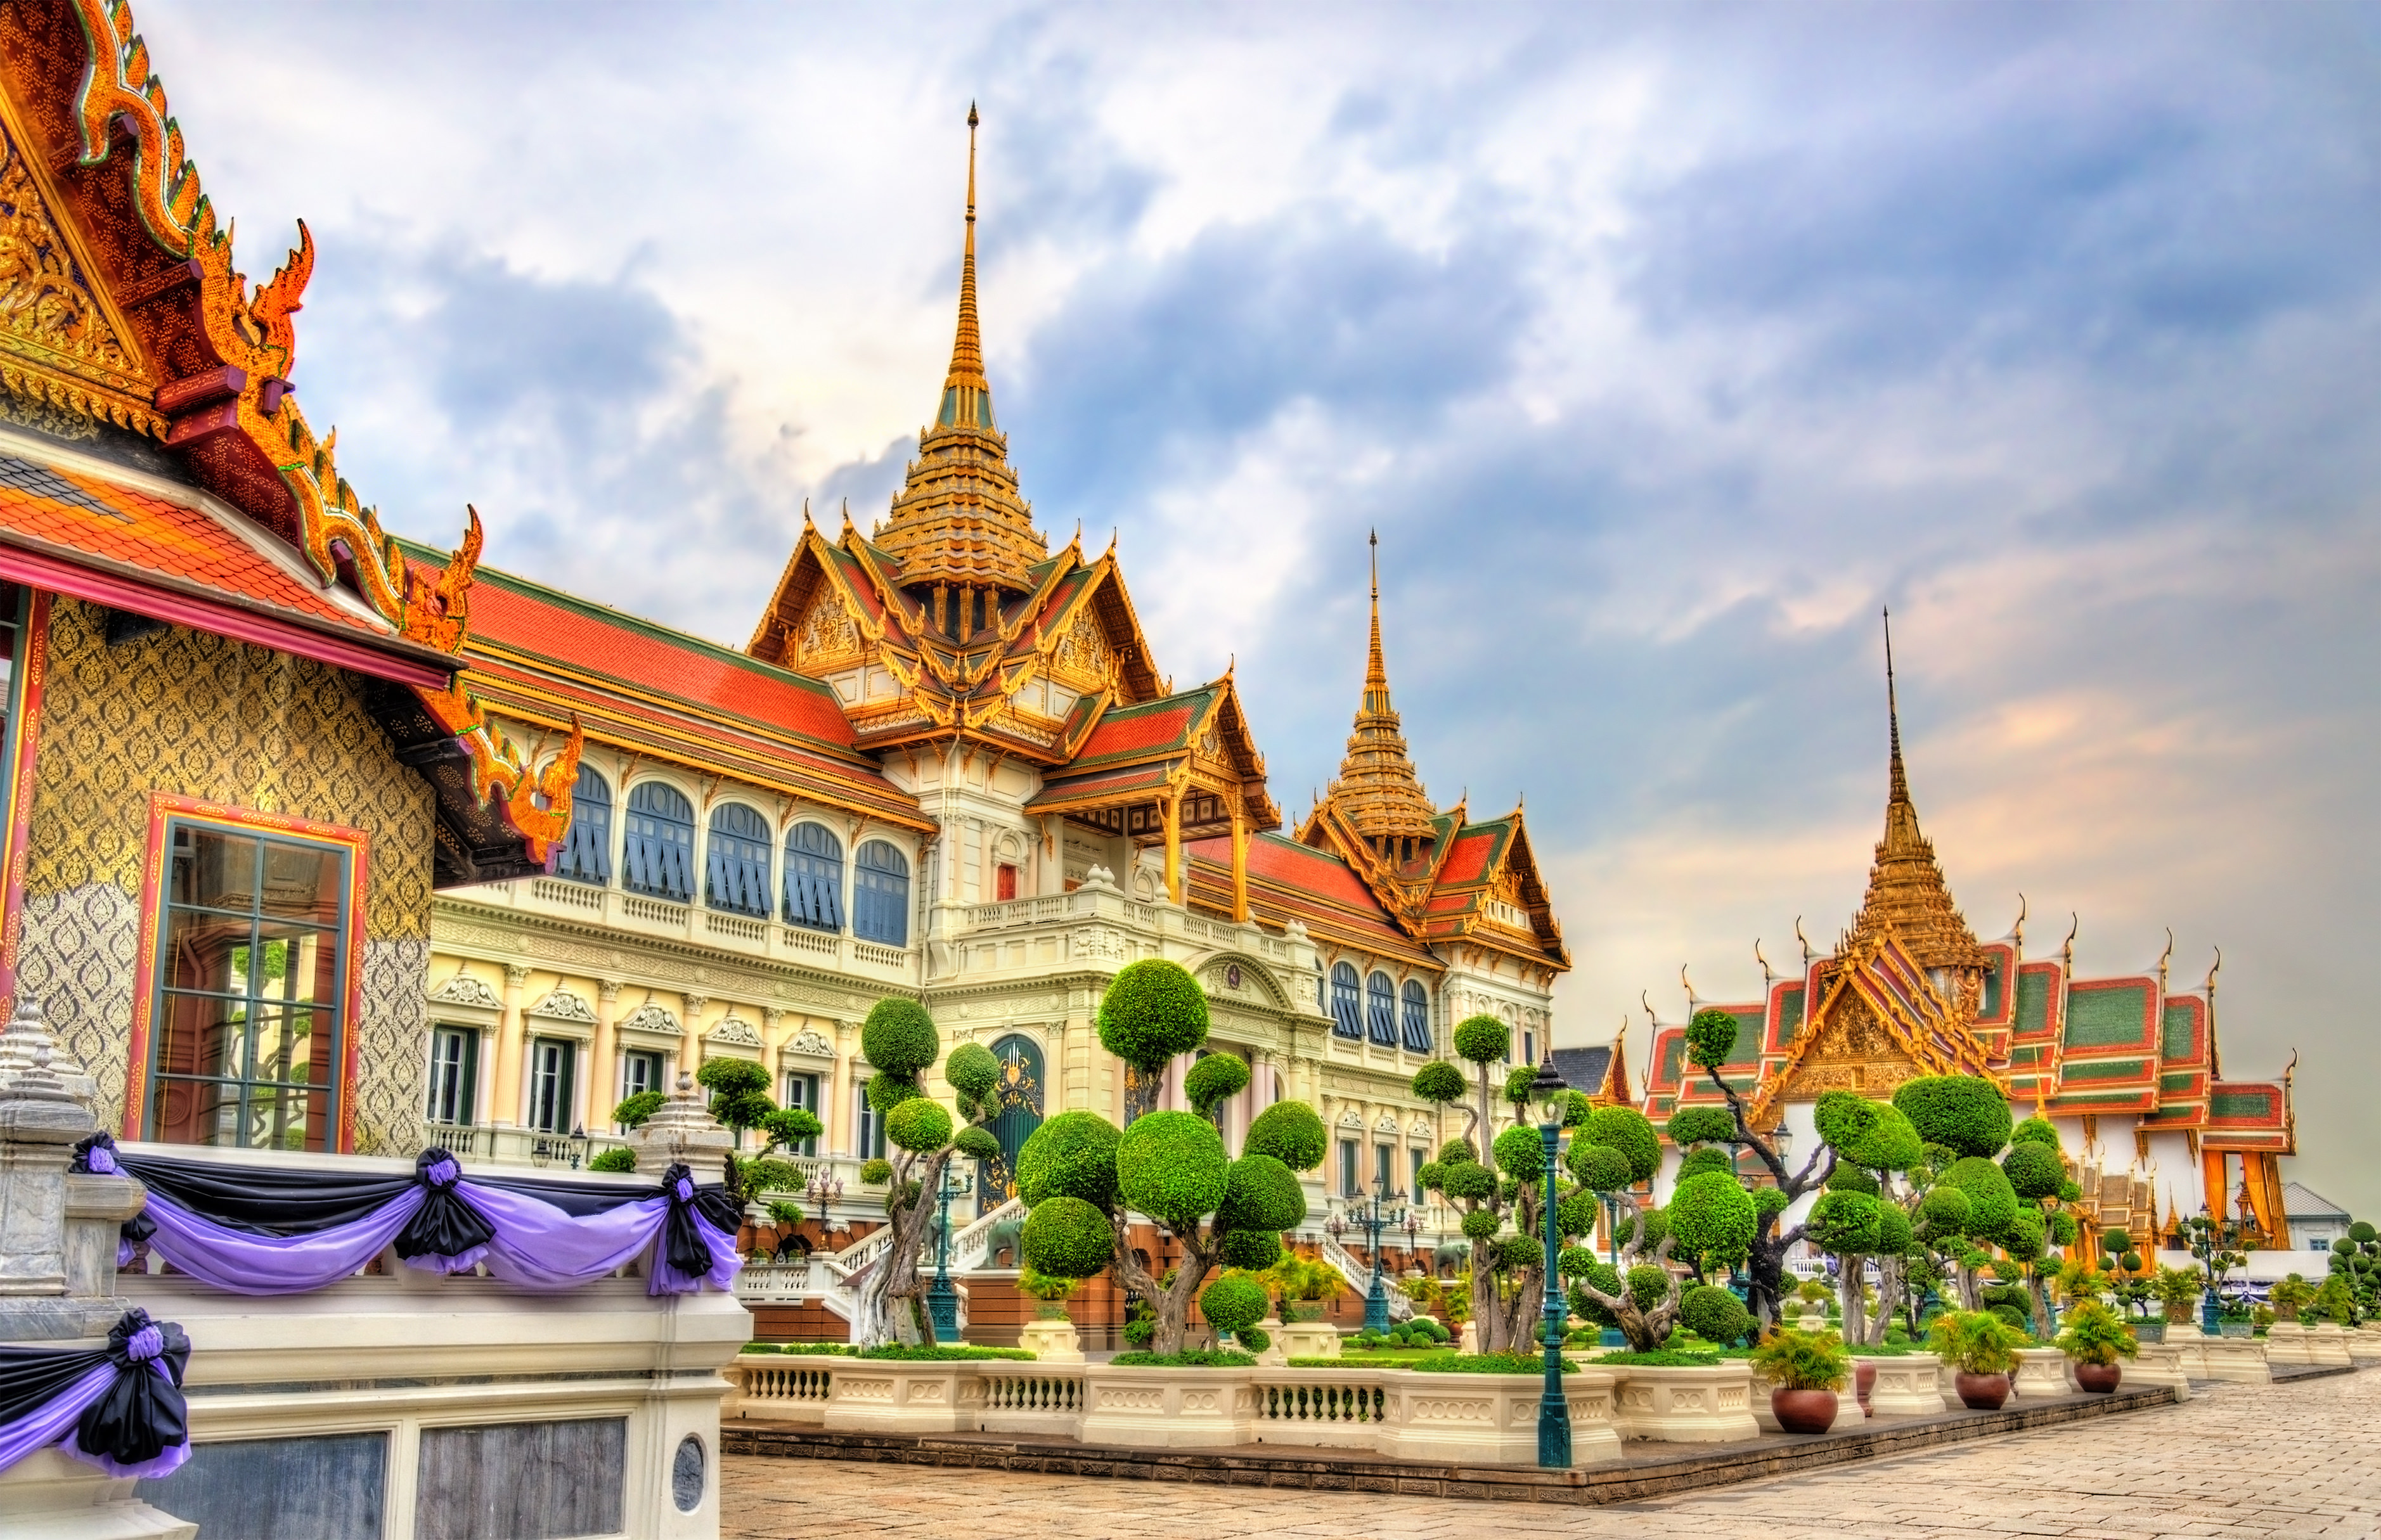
200, 716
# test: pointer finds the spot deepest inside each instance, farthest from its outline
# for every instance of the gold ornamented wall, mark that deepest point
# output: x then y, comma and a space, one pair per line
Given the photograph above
200, 716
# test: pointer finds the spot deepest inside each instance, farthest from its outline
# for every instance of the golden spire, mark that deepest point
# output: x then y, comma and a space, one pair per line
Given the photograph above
958, 524
1906, 889
1377, 790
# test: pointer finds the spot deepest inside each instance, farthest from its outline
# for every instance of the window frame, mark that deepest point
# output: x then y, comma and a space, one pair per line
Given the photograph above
747, 865
1350, 1170
1384, 1162
809, 1082
1380, 1009
566, 1084
817, 889
1413, 1016
867, 1125
627, 1087
466, 1076
882, 901
1347, 1003
589, 837
633, 851
169, 812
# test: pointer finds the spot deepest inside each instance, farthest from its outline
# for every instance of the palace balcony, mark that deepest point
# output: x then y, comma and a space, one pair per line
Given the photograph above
1096, 926
693, 925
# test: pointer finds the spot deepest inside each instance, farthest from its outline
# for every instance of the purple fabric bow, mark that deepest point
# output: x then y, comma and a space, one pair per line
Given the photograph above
96, 1155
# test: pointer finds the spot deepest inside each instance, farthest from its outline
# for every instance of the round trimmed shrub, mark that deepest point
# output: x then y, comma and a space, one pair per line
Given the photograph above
2035, 1131
1577, 1109
1232, 1302
1648, 1285
888, 1091
973, 1070
1843, 1118
1469, 1181
1440, 1082
1516, 1252
2060, 1229
1521, 1154
1851, 1179
1893, 1233
1254, 1249
1963, 1112
2130, 1261
2027, 1231
1072, 1155
1770, 1201
1218, 1077
1483, 1039
1427, 1178
618, 1158
1260, 1192
1714, 1313
1171, 1166
1711, 1214
1152, 1011
2035, 1170
898, 1037
1290, 1133
1575, 1213
1655, 1222
1991, 1201
1067, 1237
1845, 1223
2070, 1191
2011, 1316
1481, 1224
1711, 1038
918, 1124
1600, 1168
1457, 1151
976, 1144
1891, 1143
2363, 1233
1700, 1125
1945, 1210
1630, 1132
1254, 1338
876, 1172
1697, 1161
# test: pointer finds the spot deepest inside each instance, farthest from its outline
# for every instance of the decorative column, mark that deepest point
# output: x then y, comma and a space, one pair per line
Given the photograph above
1239, 863
690, 1034
1170, 811
841, 1136
604, 1066
504, 1085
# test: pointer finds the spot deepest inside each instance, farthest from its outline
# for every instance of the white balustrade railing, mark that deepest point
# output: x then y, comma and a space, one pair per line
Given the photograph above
1025, 1398
1359, 1274
972, 1247
1328, 1407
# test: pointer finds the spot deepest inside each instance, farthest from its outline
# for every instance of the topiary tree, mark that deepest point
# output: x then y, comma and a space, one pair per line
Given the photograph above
1484, 1193
1214, 1081
1153, 1012
1714, 1313
1170, 1166
1711, 1043
901, 1041
1965, 1114
1611, 1154
2357, 1257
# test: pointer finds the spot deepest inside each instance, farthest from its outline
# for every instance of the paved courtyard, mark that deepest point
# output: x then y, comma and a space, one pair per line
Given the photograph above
2289, 1460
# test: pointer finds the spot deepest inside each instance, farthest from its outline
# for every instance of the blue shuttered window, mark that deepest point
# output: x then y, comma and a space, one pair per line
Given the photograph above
736, 869
1345, 1007
587, 849
880, 895
1417, 1018
814, 878
659, 858
1381, 1013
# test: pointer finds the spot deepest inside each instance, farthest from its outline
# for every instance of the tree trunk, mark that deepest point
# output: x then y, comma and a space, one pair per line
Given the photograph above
1487, 1307
2041, 1299
1853, 1301
895, 1276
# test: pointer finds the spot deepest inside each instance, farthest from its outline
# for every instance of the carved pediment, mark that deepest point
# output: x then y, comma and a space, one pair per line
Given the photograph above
735, 1030
810, 1044
463, 989
827, 638
652, 1018
1853, 1051
561, 1005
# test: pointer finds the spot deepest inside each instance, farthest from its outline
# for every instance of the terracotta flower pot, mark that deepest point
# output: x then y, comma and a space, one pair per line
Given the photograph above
2098, 1379
1980, 1392
1804, 1411
1864, 1381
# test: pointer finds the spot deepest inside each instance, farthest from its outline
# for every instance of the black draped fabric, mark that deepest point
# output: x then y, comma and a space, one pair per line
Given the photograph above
31, 1378
143, 1414
265, 1199
444, 1225
682, 1244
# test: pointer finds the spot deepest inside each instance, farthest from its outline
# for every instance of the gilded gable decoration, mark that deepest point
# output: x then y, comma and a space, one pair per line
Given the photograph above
61, 346
829, 636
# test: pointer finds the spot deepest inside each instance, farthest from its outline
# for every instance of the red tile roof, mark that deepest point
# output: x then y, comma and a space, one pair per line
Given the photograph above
1134, 730
1291, 880
1469, 859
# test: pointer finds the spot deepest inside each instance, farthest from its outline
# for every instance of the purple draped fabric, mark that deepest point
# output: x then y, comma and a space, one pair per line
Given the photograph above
53, 1425
725, 1264
243, 1262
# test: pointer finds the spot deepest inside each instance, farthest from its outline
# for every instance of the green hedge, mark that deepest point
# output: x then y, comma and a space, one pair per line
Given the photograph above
943, 1352
806, 1350
1661, 1358
1190, 1358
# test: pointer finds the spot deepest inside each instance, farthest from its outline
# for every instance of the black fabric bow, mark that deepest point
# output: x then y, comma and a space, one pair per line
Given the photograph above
444, 1225
143, 1414
138, 1417
682, 1244
97, 1156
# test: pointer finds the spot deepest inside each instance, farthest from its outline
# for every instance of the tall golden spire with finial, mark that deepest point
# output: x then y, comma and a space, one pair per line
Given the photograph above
1377, 790
957, 526
1906, 887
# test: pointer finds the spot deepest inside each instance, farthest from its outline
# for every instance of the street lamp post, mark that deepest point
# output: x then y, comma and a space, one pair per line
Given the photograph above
1554, 1408
941, 1299
1372, 1217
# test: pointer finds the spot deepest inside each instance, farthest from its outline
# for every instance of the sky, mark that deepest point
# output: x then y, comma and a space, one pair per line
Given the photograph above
1664, 346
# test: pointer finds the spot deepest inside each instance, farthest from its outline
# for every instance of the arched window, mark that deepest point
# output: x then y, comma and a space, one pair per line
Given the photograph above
880, 895
659, 858
587, 849
814, 878
1417, 1021
736, 864
1381, 1013
1345, 1020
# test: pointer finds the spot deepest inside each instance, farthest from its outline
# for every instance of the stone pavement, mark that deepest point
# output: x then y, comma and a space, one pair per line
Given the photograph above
2236, 1460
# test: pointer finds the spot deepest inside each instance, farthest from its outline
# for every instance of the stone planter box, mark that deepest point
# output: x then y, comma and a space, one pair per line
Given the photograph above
1946, 1387
1493, 1419
2040, 1372
1905, 1386
781, 1387
2238, 1360
1849, 1414
870, 1396
1685, 1405
1166, 1409
2287, 1342
1310, 1340
2364, 1343
2161, 1363
2328, 1345
1051, 1341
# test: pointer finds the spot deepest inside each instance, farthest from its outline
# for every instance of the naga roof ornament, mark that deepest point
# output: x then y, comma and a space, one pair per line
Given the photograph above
957, 519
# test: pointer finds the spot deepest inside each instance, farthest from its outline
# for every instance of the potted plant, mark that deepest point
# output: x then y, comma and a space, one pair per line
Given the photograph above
2095, 1339
1806, 1369
2178, 1291
1981, 1348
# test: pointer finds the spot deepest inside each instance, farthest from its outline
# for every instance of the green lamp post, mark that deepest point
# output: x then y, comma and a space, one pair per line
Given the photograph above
1554, 1408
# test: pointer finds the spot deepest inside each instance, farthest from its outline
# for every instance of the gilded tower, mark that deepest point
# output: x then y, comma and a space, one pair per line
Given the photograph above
1377, 790
964, 537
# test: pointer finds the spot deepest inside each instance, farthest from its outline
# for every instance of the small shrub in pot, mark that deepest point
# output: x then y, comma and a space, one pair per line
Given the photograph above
1806, 1369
